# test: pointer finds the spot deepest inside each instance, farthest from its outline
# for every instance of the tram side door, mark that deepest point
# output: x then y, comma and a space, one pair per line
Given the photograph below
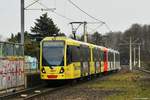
85, 60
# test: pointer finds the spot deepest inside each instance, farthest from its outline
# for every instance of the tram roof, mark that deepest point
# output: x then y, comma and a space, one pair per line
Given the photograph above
80, 42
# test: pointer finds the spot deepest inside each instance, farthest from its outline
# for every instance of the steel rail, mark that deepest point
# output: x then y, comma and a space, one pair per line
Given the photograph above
44, 92
17, 93
30, 94
143, 70
72, 84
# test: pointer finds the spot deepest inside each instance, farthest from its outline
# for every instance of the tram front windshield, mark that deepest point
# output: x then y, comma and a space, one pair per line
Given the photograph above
53, 53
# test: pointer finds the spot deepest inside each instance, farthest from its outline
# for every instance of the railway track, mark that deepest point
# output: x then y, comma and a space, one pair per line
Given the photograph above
143, 70
44, 92
31, 93
18, 93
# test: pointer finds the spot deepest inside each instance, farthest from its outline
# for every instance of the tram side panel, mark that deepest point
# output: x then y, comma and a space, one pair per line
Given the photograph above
105, 60
92, 62
85, 60
97, 60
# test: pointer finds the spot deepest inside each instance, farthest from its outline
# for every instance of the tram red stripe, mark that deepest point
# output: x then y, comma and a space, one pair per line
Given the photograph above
52, 76
105, 60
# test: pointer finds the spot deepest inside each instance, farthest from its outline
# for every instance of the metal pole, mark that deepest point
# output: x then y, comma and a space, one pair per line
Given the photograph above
130, 55
139, 57
22, 22
85, 35
74, 34
134, 57
22, 36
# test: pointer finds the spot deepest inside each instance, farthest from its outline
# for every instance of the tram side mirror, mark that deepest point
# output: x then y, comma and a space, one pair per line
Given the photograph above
68, 55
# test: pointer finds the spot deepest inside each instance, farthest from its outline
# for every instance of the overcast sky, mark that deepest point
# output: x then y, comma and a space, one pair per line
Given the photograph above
118, 14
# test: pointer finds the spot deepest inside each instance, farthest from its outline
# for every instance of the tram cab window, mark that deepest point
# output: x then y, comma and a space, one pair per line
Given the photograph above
53, 53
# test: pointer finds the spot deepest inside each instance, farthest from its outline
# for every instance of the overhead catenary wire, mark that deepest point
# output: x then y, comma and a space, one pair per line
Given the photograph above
85, 12
35, 1
63, 16
42, 9
93, 30
90, 15
55, 12
67, 18
46, 9
108, 27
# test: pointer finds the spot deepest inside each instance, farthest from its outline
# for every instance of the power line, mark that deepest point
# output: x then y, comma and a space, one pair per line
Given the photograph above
94, 23
100, 24
35, 1
108, 27
63, 16
67, 18
90, 15
46, 9
85, 12
55, 12
96, 28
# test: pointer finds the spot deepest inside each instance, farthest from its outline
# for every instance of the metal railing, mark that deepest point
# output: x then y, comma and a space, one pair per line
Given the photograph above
11, 49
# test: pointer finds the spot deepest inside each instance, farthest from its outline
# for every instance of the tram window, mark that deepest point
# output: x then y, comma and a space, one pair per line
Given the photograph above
88, 54
110, 56
102, 55
85, 53
99, 52
69, 55
117, 57
95, 54
73, 54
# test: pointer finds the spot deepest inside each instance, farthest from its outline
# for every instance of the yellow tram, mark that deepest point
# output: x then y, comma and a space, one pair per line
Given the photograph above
62, 58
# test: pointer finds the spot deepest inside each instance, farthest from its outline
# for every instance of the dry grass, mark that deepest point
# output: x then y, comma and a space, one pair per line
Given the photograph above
125, 86
120, 86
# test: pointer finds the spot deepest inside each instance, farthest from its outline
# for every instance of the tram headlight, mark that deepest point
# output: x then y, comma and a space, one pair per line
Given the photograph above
62, 70
43, 70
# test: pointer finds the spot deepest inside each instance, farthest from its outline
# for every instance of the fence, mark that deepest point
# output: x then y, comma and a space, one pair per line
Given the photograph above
10, 49
14, 65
